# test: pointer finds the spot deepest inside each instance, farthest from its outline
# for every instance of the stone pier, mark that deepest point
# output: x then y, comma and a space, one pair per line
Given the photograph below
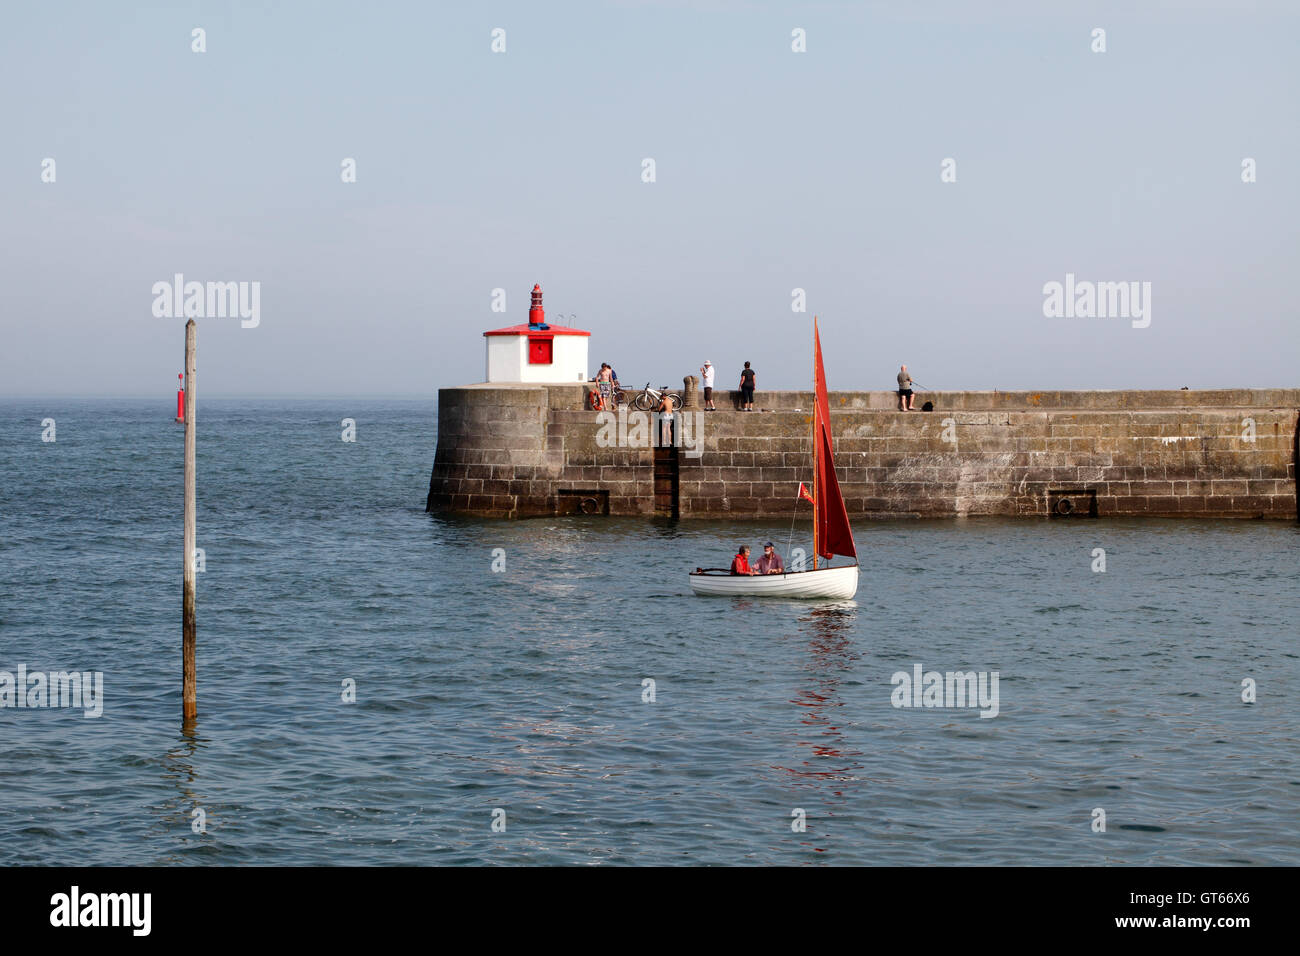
531, 450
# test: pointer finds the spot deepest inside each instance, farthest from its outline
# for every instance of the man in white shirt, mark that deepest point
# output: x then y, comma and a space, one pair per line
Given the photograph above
706, 379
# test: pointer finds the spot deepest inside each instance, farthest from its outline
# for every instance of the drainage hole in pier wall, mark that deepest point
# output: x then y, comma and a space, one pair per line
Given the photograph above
577, 502
1072, 503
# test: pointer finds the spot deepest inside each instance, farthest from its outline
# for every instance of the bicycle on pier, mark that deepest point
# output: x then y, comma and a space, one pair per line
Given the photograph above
649, 398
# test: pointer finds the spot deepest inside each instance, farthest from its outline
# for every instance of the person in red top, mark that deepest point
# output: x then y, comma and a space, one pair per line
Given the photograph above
740, 563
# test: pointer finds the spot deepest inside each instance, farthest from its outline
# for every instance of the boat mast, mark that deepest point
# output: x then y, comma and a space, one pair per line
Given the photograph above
817, 494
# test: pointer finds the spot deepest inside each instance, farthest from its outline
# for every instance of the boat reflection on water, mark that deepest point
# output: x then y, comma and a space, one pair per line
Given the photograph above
824, 759
830, 661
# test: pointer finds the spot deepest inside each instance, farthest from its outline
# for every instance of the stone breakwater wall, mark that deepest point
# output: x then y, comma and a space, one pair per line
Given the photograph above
520, 451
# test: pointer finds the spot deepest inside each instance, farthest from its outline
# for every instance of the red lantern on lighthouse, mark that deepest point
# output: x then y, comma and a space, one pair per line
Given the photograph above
536, 314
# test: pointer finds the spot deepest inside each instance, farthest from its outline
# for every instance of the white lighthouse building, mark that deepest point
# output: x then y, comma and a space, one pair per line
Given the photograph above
537, 352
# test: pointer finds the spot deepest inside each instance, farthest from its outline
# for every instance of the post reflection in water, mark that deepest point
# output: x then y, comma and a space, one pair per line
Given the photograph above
178, 769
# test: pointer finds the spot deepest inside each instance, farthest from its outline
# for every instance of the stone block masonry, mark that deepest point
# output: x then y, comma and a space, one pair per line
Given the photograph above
532, 450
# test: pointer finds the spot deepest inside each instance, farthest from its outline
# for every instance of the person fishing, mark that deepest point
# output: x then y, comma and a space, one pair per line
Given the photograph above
905, 390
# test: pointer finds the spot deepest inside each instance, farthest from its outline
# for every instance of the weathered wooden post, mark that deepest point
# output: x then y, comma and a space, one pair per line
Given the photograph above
189, 627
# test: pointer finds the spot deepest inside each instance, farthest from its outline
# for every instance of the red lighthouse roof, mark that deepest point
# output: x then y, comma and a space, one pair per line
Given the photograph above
531, 330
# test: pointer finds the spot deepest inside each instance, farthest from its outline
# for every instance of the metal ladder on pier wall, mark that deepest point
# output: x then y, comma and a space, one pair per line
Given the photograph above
666, 481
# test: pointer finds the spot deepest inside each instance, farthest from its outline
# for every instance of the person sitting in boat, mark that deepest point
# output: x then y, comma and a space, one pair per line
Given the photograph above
770, 562
740, 563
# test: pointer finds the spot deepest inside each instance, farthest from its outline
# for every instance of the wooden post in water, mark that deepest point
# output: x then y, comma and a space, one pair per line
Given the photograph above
189, 627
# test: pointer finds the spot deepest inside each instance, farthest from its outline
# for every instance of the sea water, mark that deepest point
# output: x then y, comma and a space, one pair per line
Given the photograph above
379, 686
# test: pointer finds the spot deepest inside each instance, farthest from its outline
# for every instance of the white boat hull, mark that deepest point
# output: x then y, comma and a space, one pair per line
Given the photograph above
839, 583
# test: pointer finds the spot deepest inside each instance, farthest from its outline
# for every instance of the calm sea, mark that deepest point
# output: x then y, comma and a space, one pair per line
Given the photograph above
523, 690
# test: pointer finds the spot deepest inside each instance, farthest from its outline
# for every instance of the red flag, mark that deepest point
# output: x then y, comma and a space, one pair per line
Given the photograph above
806, 494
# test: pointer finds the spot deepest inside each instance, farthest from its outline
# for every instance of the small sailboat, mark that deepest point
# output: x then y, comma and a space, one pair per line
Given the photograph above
831, 532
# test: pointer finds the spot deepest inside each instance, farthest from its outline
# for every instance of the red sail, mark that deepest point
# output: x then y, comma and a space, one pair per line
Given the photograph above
833, 533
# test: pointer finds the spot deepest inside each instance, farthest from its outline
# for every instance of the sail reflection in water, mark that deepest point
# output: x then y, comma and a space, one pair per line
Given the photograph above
830, 657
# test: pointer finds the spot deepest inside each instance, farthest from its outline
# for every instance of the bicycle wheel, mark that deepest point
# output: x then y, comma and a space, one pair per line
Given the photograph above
643, 402
675, 400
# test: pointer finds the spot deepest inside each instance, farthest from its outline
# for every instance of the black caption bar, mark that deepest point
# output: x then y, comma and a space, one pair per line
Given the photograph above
334, 905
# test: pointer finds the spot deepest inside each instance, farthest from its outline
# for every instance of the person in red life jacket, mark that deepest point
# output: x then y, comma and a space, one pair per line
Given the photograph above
740, 563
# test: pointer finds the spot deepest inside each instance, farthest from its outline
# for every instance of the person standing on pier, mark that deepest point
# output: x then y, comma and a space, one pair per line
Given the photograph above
605, 382
905, 390
665, 416
747, 389
706, 380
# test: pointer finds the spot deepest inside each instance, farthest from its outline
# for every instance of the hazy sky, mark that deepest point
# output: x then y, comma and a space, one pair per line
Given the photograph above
774, 170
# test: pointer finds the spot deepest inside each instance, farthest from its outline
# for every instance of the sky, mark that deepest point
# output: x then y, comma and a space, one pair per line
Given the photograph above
774, 170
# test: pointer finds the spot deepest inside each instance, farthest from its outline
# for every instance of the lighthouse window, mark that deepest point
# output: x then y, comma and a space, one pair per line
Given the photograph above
539, 351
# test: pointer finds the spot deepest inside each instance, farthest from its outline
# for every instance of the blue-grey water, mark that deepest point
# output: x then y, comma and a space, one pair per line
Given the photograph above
522, 689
